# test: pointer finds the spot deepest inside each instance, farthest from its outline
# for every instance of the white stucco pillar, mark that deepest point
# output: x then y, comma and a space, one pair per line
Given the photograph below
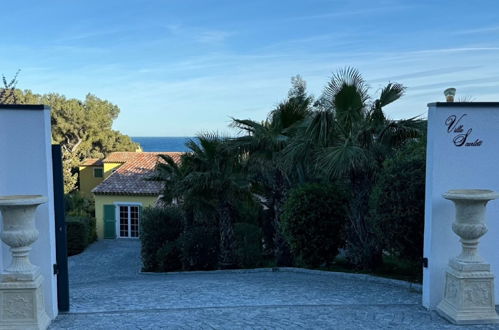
26, 169
462, 153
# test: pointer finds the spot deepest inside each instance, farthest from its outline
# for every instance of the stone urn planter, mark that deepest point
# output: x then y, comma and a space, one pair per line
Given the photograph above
469, 283
21, 294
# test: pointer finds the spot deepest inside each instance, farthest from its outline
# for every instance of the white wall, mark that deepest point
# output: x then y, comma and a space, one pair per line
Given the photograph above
26, 169
458, 167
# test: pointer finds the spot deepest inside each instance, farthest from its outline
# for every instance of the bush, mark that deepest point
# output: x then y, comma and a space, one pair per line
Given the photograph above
248, 245
199, 248
77, 236
169, 257
76, 204
397, 202
92, 230
159, 227
313, 222
248, 210
90, 224
268, 232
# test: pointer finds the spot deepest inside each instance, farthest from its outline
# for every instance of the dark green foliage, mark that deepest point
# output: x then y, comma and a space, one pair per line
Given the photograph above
343, 137
347, 138
77, 235
159, 227
267, 225
199, 247
92, 230
168, 257
313, 221
248, 245
397, 202
83, 128
80, 208
76, 204
81, 231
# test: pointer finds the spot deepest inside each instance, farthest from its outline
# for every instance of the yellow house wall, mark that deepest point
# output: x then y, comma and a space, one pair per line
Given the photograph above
101, 200
109, 167
87, 180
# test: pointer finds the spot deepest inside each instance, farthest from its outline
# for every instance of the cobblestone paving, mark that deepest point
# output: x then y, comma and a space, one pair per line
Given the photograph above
108, 292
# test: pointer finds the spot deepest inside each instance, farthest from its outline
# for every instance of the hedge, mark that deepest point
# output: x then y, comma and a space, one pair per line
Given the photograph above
77, 236
159, 228
81, 231
397, 202
313, 222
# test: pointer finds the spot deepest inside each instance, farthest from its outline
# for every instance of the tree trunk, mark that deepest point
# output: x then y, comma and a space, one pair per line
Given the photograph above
363, 249
283, 255
227, 258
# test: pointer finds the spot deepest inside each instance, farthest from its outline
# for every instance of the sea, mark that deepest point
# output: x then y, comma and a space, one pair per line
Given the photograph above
167, 143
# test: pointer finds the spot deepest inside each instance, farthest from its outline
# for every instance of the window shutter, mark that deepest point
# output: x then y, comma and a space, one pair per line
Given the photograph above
109, 221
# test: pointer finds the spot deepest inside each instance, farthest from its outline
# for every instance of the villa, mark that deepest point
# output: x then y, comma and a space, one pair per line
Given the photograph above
120, 186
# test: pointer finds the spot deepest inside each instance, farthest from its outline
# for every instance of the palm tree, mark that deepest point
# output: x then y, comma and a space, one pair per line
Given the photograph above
262, 145
348, 138
214, 179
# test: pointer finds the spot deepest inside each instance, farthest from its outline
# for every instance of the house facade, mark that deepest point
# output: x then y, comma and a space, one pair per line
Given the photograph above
91, 174
122, 191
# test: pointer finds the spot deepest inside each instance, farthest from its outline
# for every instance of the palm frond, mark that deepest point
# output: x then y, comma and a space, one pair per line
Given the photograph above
346, 94
391, 93
339, 161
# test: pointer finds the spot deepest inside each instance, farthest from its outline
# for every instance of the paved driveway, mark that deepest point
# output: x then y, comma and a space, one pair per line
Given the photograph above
107, 292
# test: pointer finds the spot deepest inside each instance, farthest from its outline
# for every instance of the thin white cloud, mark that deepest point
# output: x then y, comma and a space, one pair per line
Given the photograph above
340, 13
481, 30
198, 34
214, 37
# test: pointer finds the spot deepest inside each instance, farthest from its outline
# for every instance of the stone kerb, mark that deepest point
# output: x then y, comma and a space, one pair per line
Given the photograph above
415, 287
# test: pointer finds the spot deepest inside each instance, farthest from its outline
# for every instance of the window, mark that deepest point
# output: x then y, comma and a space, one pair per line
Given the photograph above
129, 221
98, 172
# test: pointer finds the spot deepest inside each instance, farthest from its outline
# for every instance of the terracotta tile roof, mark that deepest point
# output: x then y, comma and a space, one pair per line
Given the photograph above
120, 157
92, 162
131, 177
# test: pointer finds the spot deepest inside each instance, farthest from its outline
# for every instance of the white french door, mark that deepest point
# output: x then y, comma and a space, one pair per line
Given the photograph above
129, 221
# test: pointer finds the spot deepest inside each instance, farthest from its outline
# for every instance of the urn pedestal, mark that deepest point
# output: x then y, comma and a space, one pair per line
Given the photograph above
21, 293
469, 283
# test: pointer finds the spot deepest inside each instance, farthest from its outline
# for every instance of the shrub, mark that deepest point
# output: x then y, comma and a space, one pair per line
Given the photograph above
248, 245
313, 221
397, 202
90, 224
158, 227
76, 204
248, 210
77, 236
169, 257
92, 230
199, 248
267, 225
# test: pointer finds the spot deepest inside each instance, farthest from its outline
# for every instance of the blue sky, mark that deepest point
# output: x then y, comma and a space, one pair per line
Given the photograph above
179, 67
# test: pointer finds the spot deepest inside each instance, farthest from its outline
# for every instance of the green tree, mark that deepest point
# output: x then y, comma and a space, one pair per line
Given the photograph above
209, 178
262, 144
313, 220
352, 137
82, 128
397, 202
